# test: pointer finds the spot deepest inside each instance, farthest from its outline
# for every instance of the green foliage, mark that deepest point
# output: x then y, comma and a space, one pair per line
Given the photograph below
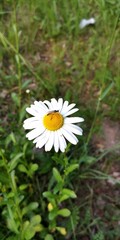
29, 208
75, 218
57, 175
55, 197
87, 218
31, 227
99, 236
49, 237
64, 212
43, 50
31, 168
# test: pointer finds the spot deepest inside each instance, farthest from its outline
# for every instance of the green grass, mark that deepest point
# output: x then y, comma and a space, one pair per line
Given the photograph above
43, 49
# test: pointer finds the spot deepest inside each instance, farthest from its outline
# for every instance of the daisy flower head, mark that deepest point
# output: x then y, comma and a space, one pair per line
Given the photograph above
50, 124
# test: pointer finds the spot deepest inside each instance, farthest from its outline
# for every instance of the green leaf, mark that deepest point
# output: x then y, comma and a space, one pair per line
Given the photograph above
48, 195
10, 195
33, 167
57, 175
49, 237
22, 114
12, 224
36, 219
103, 95
53, 214
10, 138
69, 193
64, 212
2, 163
13, 178
63, 198
58, 187
71, 168
30, 232
4, 177
13, 163
23, 186
87, 159
32, 206
15, 99
26, 83
2, 151
25, 229
38, 228
75, 216
98, 236
30, 228
22, 168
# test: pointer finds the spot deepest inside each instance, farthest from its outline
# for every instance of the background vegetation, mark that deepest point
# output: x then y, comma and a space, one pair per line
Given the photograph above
45, 54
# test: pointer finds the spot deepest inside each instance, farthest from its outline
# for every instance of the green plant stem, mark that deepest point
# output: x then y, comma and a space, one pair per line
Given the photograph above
17, 56
65, 167
110, 44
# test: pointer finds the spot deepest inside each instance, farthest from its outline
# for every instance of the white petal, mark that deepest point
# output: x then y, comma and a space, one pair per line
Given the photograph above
39, 109
30, 120
69, 136
54, 104
50, 142
38, 139
32, 106
35, 132
32, 111
41, 141
73, 128
60, 104
48, 103
73, 119
70, 112
63, 144
31, 125
71, 106
42, 107
62, 141
68, 108
65, 104
56, 141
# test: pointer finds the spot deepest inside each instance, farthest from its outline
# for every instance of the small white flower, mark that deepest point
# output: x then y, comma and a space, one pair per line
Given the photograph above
51, 124
27, 91
85, 22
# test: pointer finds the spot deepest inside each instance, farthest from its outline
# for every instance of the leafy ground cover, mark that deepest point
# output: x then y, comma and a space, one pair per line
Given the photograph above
45, 54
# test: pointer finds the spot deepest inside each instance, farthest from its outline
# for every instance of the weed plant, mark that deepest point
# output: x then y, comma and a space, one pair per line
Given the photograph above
45, 54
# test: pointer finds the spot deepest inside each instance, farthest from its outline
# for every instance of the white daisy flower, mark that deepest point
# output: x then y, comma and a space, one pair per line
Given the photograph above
52, 125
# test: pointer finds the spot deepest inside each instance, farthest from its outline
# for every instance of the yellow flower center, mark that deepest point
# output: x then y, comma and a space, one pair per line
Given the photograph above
53, 121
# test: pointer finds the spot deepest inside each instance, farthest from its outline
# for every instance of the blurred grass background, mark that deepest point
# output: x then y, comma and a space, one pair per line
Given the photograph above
43, 49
